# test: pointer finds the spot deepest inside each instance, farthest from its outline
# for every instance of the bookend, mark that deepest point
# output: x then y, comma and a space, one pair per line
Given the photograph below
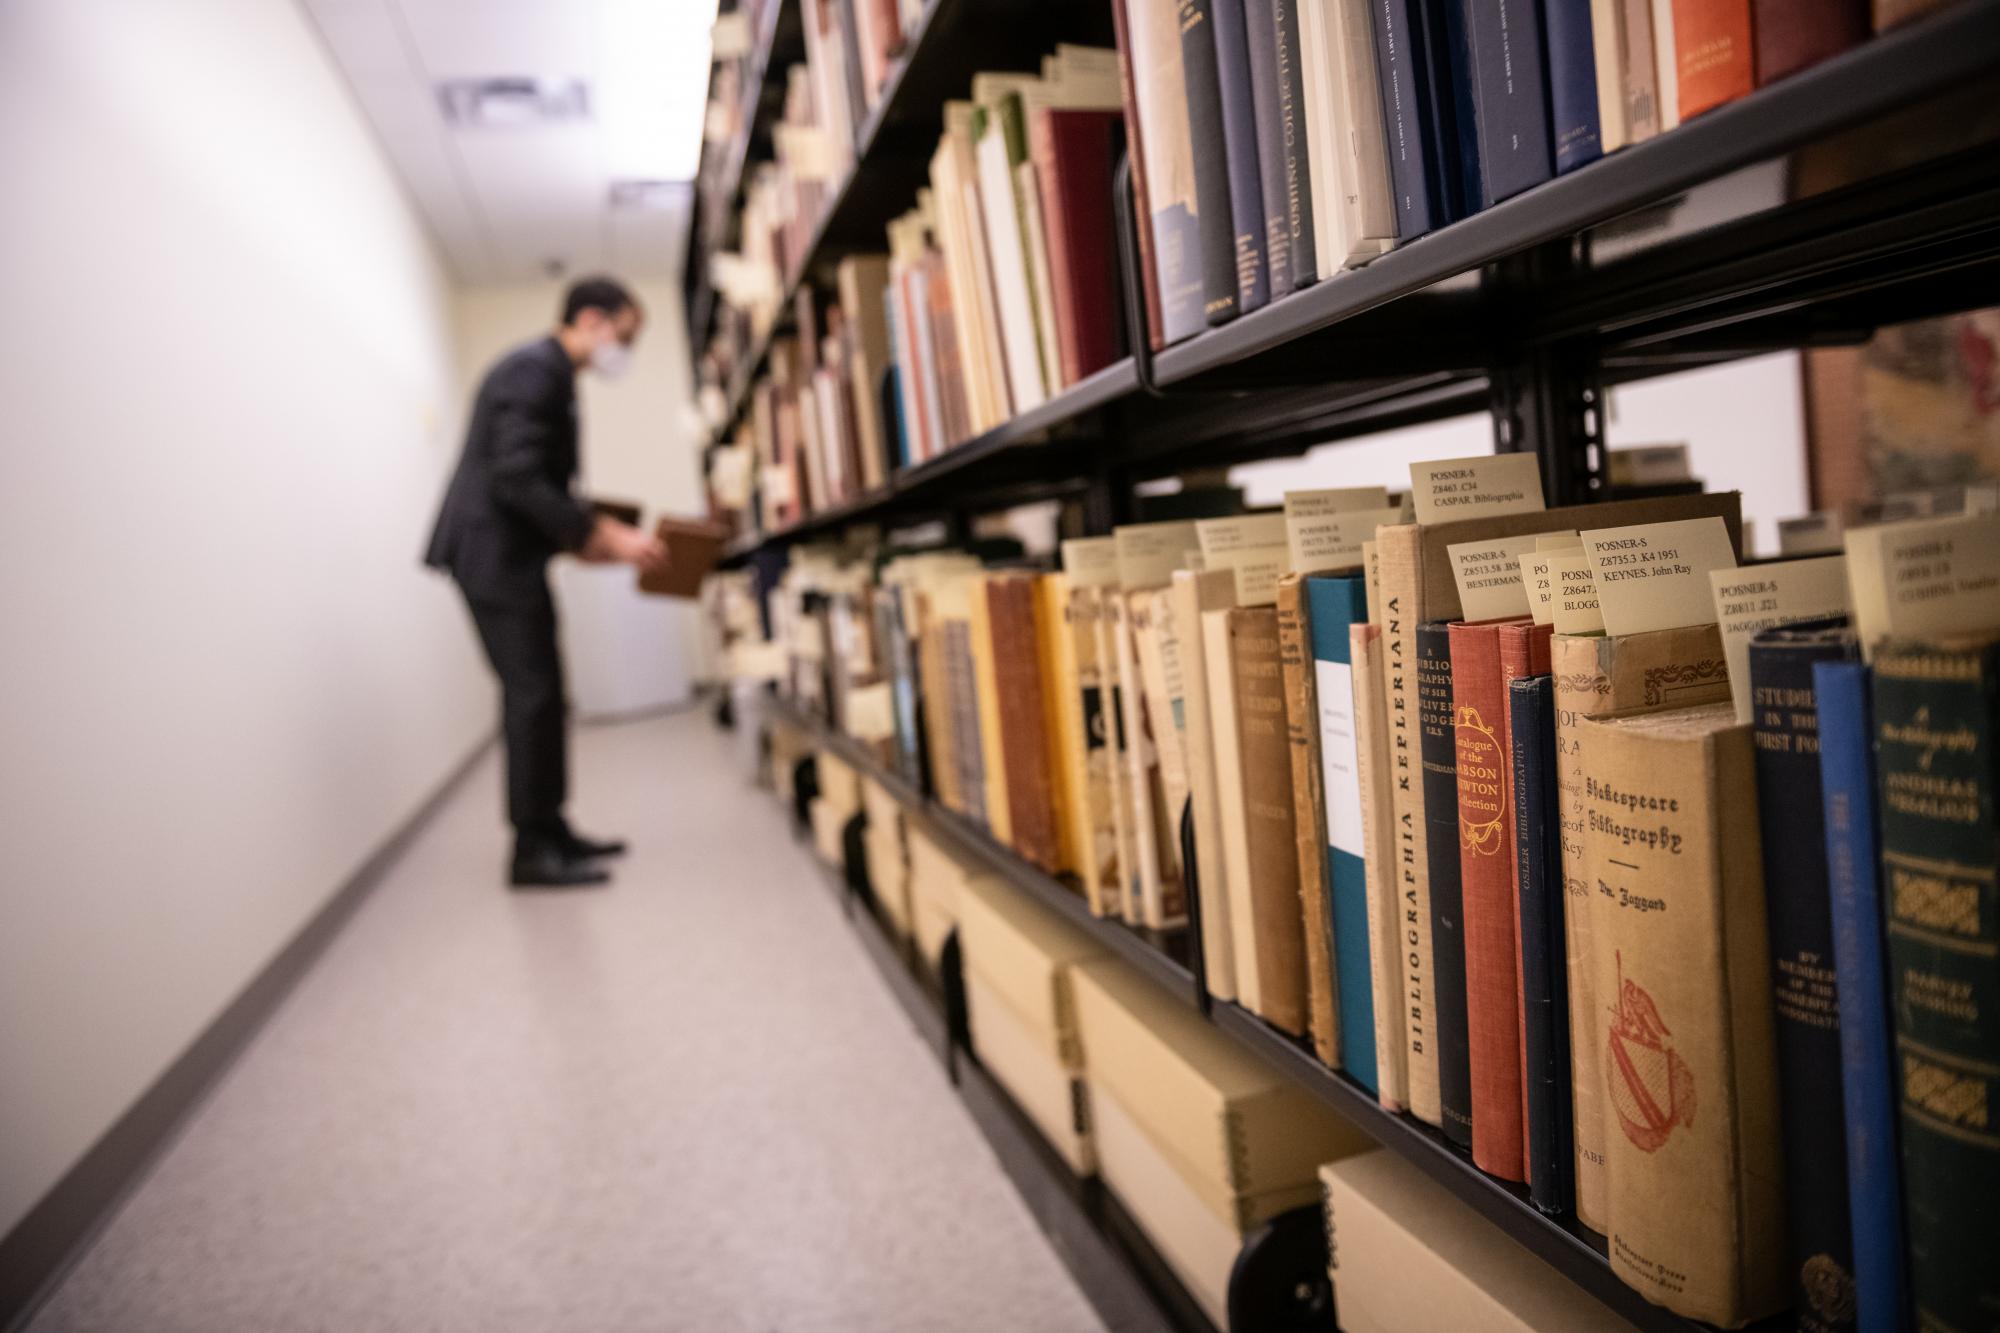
805, 790
1280, 1282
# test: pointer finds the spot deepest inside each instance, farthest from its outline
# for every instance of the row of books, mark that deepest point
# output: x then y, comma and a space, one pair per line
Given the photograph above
1201, 1143
1478, 858
1279, 144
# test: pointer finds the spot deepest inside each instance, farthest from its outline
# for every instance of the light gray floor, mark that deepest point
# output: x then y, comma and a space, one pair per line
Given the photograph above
686, 1102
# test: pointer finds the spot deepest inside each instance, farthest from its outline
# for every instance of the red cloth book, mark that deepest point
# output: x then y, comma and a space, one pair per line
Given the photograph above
1490, 909
1072, 152
1713, 53
1524, 651
1794, 34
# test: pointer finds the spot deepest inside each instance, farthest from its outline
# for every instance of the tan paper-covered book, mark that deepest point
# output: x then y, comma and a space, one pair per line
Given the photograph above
1309, 815
1407, 1254
1269, 819
1195, 594
998, 812
1594, 675
1026, 762
1062, 724
1233, 902
1695, 1211
1385, 915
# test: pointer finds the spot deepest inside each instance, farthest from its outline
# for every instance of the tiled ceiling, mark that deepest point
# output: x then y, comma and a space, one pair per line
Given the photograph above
524, 201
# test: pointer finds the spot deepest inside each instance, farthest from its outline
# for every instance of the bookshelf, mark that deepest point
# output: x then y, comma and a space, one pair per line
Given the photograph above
1861, 192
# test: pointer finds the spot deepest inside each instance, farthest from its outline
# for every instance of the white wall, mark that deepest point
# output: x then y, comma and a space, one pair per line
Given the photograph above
231, 399
625, 653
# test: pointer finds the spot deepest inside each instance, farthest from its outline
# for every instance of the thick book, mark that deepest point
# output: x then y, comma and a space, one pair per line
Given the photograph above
1936, 709
1208, 141
1594, 675
1544, 973
1385, 950
1575, 125
1639, 68
1233, 902
1028, 762
1406, 55
1195, 594
1152, 886
1075, 151
1486, 879
1785, 727
1056, 661
1302, 728
995, 736
1792, 35
1438, 748
1860, 959
863, 279
1501, 98
1278, 944
1714, 59
1293, 154
1091, 729
1267, 101
999, 145
1142, 209
1524, 651
1156, 645
1684, 1013
1607, 41
1333, 605
1365, 203
1239, 134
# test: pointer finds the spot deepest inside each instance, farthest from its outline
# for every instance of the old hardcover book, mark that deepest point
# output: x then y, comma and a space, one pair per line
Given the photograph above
1302, 730
1235, 901
1486, 877
1640, 67
1715, 61
1867, 1048
1544, 991
1239, 135
1792, 35
1023, 715
1074, 152
1267, 101
1202, 94
1367, 201
1195, 594
1666, 60
1936, 706
999, 145
1292, 150
1499, 98
1684, 1013
1524, 651
1889, 13
1607, 42
1573, 106
863, 279
1278, 937
1156, 644
1785, 728
1142, 209
1091, 726
1384, 909
994, 739
1114, 647
968, 738
1154, 895
1405, 56
1056, 659
1438, 753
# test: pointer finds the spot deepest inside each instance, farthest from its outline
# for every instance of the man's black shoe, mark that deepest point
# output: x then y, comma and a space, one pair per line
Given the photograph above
550, 866
582, 848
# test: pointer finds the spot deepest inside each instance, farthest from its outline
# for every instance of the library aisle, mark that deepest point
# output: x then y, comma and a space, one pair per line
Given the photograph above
684, 1102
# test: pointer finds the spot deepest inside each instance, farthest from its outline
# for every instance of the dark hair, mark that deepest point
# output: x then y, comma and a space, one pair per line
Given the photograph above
606, 294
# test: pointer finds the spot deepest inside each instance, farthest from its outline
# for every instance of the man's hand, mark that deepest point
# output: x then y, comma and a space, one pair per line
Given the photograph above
615, 543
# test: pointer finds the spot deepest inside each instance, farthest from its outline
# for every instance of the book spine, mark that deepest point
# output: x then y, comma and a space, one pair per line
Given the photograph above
1714, 58
1371, 748
1332, 606
1683, 986
1108, 621
1439, 752
1268, 102
1551, 1159
1090, 738
1792, 35
1573, 108
1404, 75
1240, 135
1867, 1055
1024, 721
1268, 818
1466, 183
1300, 254
1511, 99
1640, 71
1486, 870
1785, 724
1075, 160
1935, 749
1666, 57
1211, 161
1142, 208
1607, 40
1302, 728
1524, 651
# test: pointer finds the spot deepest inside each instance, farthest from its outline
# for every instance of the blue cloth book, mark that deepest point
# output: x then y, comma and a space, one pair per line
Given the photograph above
1411, 67
1498, 98
1531, 701
1334, 603
1572, 83
1868, 1082
1239, 134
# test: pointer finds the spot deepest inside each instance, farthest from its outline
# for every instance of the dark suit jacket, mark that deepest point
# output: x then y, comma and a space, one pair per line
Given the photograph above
509, 506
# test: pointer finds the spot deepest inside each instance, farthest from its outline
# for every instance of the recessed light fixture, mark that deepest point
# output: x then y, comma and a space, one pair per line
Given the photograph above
513, 102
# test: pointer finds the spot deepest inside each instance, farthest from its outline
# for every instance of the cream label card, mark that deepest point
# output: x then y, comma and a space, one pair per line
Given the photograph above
1257, 573
1655, 575
1311, 515
1148, 553
1926, 576
1576, 609
1483, 487
1488, 574
1538, 577
1221, 538
1759, 596
1333, 541
1091, 562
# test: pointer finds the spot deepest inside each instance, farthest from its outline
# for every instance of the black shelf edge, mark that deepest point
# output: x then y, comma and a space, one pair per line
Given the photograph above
1881, 75
1141, 950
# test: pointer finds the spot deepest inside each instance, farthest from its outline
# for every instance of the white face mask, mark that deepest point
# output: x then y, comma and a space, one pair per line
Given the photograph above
611, 359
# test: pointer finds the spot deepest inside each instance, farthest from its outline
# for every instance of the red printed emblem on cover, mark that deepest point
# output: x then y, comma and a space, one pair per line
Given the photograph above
1652, 1088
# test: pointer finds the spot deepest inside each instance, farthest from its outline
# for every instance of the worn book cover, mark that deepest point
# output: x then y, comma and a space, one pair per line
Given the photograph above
1239, 134
1302, 730
1165, 138
1110, 628
1544, 976
1090, 732
1438, 750
1234, 902
1384, 909
1194, 594
1056, 660
1154, 895
1156, 643
1267, 101
1023, 714
1524, 651
1142, 209
1715, 61
994, 740
1792, 35
1270, 831
1684, 1013
1595, 675
1214, 216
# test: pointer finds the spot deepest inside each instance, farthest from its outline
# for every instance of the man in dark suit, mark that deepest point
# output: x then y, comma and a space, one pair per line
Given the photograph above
508, 511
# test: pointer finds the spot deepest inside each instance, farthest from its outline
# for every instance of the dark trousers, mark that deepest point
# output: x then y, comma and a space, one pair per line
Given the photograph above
519, 634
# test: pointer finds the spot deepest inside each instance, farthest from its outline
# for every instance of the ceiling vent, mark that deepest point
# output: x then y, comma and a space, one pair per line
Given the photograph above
513, 103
